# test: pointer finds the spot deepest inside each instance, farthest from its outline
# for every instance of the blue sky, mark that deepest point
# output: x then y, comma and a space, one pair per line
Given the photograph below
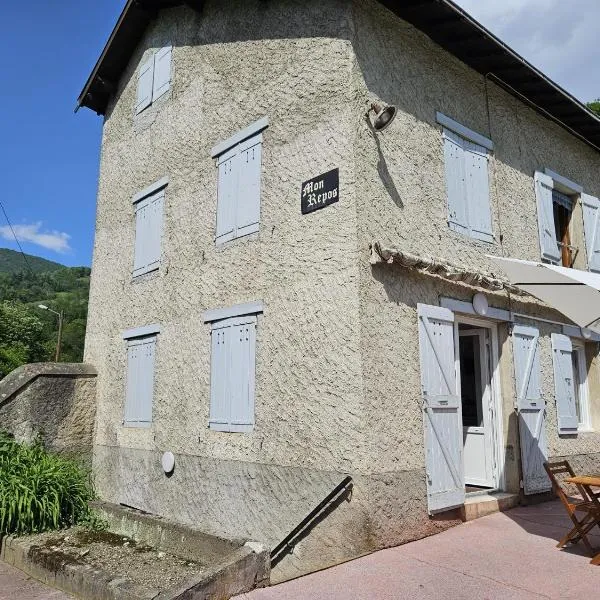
50, 156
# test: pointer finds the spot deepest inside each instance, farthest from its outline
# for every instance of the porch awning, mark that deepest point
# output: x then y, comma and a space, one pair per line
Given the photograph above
574, 293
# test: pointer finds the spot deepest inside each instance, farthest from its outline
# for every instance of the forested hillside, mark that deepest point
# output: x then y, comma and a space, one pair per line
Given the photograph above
27, 333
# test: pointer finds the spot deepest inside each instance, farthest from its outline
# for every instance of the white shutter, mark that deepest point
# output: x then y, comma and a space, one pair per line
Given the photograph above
154, 230
140, 381
142, 216
220, 414
248, 195
242, 373
455, 182
531, 408
145, 84
564, 384
591, 224
227, 195
162, 72
547, 232
477, 186
442, 418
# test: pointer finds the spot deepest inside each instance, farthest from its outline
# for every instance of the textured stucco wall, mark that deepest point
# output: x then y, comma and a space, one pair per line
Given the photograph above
401, 187
56, 402
338, 377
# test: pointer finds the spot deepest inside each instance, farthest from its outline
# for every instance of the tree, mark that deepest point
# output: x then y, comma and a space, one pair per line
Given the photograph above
595, 106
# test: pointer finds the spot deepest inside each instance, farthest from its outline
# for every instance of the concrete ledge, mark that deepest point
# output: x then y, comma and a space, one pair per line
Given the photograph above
24, 375
478, 506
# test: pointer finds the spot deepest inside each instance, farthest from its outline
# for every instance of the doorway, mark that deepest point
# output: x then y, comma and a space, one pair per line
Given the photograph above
478, 401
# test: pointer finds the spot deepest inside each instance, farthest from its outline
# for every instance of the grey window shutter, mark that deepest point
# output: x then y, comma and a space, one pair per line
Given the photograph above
220, 417
477, 190
543, 193
591, 223
145, 84
248, 193
242, 357
454, 159
564, 384
227, 195
531, 408
140, 381
142, 218
442, 417
162, 72
154, 230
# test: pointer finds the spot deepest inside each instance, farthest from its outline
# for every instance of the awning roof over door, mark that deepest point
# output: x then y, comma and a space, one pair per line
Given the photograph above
575, 294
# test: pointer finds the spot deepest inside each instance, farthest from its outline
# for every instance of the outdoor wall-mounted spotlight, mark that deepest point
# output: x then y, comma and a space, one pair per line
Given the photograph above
384, 115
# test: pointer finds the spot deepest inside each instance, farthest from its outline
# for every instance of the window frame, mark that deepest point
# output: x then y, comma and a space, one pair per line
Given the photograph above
226, 318
153, 193
583, 396
457, 134
137, 337
230, 151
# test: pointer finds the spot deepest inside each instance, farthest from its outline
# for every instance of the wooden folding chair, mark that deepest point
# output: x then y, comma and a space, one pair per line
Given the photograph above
590, 515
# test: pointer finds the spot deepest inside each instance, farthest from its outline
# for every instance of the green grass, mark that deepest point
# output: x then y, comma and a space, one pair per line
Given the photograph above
40, 491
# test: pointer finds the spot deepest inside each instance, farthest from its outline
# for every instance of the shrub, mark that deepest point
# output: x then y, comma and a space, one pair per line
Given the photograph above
40, 491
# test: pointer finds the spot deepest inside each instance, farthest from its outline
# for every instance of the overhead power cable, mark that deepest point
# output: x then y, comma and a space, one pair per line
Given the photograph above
16, 238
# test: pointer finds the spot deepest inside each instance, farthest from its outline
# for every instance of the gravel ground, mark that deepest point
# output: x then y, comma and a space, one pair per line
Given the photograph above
120, 556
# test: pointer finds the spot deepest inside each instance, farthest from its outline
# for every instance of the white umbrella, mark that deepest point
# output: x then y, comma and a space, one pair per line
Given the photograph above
574, 293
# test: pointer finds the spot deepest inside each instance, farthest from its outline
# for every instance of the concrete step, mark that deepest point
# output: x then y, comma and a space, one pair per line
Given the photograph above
481, 505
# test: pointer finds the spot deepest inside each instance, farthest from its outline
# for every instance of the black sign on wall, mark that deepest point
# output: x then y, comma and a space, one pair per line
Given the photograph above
320, 192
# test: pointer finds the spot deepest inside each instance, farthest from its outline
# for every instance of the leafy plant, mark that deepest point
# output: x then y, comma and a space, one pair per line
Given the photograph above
40, 491
595, 106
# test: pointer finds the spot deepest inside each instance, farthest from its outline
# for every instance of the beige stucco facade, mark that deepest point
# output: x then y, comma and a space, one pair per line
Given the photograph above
337, 368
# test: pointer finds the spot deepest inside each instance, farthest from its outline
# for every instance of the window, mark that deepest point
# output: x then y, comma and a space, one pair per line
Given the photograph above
141, 350
466, 156
148, 206
580, 385
233, 364
154, 78
556, 197
239, 160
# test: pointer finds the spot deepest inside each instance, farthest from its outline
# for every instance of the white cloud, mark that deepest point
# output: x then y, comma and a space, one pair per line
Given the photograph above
559, 38
52, 240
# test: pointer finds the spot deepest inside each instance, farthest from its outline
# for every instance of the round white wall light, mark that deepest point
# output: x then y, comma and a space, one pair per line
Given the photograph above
480, 304
168, 462
586, 333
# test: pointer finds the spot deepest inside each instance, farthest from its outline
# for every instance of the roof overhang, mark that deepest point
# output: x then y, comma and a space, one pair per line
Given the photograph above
443, 21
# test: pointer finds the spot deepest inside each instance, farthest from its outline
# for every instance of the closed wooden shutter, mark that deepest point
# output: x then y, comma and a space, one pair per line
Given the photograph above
591, 223
227, 196
145, 85
162, 72
455, 182
442, 419
140, 381
248, 196
564, 384
547, 232
531, 408
477, 186
148, 233
233, 363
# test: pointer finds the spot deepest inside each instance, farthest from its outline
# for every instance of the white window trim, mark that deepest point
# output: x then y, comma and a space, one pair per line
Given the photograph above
163, 182
238, 310
584, 397
139, 332
564, 185
463, 131
466, 308
240, 136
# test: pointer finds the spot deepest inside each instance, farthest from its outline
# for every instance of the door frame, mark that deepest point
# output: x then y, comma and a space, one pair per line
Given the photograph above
497, 424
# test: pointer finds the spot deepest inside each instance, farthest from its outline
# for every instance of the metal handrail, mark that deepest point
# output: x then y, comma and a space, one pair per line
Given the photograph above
288, 543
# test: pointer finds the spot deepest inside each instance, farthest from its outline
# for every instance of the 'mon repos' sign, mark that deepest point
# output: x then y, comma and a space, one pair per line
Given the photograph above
320, 192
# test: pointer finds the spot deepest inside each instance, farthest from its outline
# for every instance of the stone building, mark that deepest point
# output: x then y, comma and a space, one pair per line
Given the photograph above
283, 296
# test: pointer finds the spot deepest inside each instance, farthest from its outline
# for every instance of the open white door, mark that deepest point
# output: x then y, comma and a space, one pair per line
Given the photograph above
442, 419
531, 408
